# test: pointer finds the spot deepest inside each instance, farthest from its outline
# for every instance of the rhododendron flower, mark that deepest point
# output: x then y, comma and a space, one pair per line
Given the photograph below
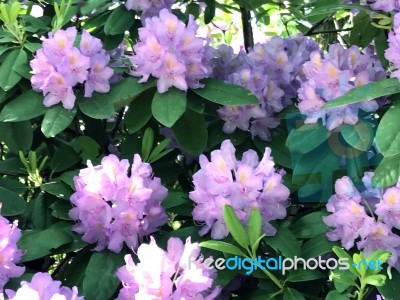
149, 8
270, 72
59, 66
325, 78
245, 184
176, 274
353, 217
171, 52
9, 252
42, 287
113, 208
385, 5
392, 53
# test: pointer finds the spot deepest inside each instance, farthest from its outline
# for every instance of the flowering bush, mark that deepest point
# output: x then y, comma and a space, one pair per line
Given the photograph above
174, 149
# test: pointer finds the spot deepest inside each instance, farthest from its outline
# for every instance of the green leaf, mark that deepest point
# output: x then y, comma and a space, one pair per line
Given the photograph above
375, 280
307, 138
359, 136
388, 132
300, 275
235, 227
343, 279
147, 143
335, 295
168, 107
223, 247
105, 263
56, 119
391, 289
292, 294
27, 106
58, 189
139, 112
363, 32
18, 136
99, 106
60, 210
174, 198
378, 258
330, 9
310, 225
225, 93
13, 185
388, 172
316, 246
381, 44
284, 242
11, 203
8, 76
119, 21
191, 132
254, 226
343, 254
209, 11
86, 147
39, 243
64, 158
366, 92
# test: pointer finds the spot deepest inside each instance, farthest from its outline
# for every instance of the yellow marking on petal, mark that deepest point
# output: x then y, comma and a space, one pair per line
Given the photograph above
85, 45
269, 185
332, 71
170, 62
171, 26
281, 59
353, 58
392, 198
378, 231
73, 59
59, 80
61, 42
243, 177
155, 46
355, 209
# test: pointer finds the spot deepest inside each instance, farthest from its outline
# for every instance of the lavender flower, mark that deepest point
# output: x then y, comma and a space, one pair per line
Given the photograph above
325, 78
392, 53
245, 184
9, 252
169, 51
59, 66
177, 273
149, 8
269, 71
352, 222
113, 208
42, 287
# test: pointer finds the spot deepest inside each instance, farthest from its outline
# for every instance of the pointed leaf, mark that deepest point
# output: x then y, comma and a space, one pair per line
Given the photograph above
235, 227
56, 119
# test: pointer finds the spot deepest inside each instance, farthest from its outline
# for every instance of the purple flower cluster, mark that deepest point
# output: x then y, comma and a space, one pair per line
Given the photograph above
351, 220
245, 184
392, 53
149, 8
171, 52
175, 274
325, 78
385, 5
113, 208
269, 71
9, 252
59, 66
42, 287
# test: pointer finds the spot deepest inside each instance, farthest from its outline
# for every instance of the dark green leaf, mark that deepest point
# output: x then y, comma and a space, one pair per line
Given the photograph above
119, 21
304, 275
310, 225
168, 107
11, 203
39, 243
363, 32
225, 93
105, 263
174, 199
330, 9
60, 210
284, 242
58, 189
307, 138
388, 132
209, 11
391, 289
86, 147
366, 92
56, 119
64, 158
8, 77
27, 106
316, 246
388, 172
359, 136
191, 132
13, 185
292, 294
139, 112
235, 227
335, 295
18, 136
